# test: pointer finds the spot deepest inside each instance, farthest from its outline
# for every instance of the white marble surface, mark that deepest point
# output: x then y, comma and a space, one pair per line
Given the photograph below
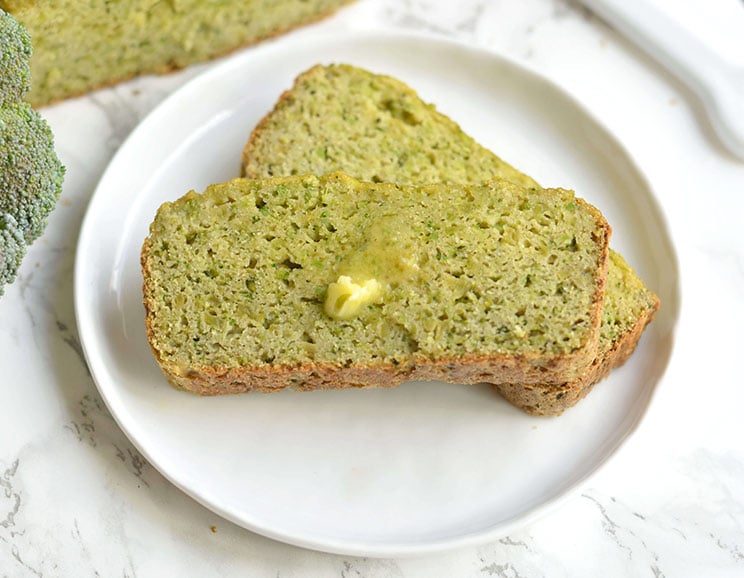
76, 499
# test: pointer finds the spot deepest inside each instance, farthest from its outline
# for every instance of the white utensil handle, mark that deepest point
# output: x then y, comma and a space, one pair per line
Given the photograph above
719, 84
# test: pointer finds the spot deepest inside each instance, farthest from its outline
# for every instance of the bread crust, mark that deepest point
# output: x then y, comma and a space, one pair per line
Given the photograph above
208, 381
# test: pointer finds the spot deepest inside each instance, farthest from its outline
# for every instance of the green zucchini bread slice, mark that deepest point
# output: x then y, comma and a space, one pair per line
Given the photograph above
80, 46
328, 282
372, 126
376, 128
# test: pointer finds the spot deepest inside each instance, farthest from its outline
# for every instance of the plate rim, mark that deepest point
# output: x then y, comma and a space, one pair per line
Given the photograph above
303, 40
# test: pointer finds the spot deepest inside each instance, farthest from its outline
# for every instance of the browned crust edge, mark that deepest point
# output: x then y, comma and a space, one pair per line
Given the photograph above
547, 400
170, 68
309, 377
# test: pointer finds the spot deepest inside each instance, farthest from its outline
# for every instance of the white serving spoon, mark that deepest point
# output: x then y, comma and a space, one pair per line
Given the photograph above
719, 84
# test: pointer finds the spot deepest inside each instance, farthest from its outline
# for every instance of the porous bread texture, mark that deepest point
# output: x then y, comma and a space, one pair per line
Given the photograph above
368, 125
488, 282
79, 46
624, 318
376, 128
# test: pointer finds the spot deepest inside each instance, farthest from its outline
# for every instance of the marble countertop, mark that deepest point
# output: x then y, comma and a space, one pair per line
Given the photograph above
77, 499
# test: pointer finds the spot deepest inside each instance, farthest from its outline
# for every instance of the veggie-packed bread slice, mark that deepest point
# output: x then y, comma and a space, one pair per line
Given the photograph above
328, 282
79, 46
376, 128
368, 125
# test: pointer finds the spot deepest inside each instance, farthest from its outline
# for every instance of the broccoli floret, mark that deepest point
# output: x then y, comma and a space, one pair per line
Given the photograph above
15, 52
12, 249
30, 172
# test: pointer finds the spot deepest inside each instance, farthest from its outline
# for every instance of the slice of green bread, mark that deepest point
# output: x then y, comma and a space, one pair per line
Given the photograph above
374, 127
79, 46
368, 125
329, 282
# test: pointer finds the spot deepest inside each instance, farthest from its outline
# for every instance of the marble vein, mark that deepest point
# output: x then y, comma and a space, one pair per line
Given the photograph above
462, 18
502, 570
15, 552
73, 342
12, 499
610, 527
85, 428
134, 462
83, 545
120, 115
369, 568
510, 542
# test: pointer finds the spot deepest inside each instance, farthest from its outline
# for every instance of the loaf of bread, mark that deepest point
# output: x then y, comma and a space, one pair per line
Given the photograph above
376, 128
327, 282
79, 46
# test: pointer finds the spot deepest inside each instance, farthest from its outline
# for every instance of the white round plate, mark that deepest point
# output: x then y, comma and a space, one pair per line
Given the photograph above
416, 469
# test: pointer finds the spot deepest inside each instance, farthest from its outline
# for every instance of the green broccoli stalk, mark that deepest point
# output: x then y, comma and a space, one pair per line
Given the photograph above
31, 175
15, 52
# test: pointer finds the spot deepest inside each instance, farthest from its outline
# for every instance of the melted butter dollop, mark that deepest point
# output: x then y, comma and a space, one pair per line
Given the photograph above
345, 298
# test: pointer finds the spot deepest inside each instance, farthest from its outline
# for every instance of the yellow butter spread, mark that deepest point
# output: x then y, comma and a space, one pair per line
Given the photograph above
388, 251
345, 298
